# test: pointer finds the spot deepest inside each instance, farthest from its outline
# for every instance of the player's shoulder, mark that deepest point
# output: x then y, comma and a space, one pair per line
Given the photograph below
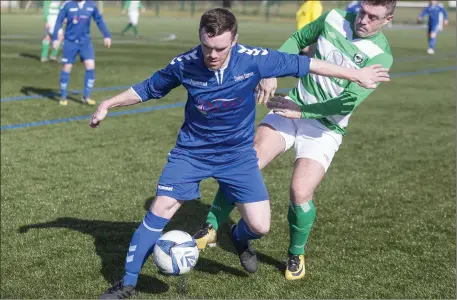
338, 16
68, 4
187, 57
440, 5
248, 52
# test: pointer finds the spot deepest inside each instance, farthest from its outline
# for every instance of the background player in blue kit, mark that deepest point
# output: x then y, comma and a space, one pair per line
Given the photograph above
217, 136
78, 40
353, 7
437, 15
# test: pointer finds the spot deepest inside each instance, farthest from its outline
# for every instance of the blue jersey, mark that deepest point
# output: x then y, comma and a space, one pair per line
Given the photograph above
79, 15
435, 14
353, 7
220, 109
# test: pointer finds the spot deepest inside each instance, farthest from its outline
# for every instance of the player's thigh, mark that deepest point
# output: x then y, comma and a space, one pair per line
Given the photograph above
165, 207
240, 179
274, 136
257, 215
181, 176
87, 52
315, 147
69, 52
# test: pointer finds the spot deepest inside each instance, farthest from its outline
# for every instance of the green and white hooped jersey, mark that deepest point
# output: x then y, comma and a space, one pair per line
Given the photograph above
332, 100
133, 7
51, 10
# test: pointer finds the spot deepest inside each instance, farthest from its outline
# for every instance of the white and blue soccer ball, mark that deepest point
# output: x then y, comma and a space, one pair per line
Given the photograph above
175, 253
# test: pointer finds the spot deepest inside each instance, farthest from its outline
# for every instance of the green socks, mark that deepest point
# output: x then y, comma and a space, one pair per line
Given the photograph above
135, 30
44, 49
301, 219
55, 51
127, 28
220, 210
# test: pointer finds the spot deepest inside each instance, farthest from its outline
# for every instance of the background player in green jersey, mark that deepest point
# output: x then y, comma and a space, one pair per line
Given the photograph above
132, 9
51, 11
314, 115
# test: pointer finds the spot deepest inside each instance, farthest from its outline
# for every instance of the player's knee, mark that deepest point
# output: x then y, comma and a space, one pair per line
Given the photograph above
89, 64
67, 68
432, 35
301, 194
260, 227
47, 38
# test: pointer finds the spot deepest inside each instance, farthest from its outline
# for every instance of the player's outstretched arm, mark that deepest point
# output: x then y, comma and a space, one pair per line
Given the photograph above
366, 77
103, 28
155, 87
129, 97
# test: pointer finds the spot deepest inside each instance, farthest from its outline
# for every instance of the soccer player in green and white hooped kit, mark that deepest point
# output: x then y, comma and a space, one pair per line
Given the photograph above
50, 11
314, 115
133, 11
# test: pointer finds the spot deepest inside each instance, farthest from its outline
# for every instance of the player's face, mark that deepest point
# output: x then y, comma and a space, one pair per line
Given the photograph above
371, 19
217, 49
433, 2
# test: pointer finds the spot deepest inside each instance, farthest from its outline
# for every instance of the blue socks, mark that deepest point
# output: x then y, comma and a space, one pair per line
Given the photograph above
89, 79
64, 79
242, 233
432, 43
141, 246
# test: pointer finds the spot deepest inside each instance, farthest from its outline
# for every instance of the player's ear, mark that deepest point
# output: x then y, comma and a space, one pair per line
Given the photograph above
235, 40
389, 19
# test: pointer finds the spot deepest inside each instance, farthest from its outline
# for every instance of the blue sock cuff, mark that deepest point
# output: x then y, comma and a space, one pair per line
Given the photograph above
248, 230
151, 221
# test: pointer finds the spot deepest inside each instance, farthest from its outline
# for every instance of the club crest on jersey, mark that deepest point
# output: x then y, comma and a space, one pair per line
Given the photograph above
335, 57
359, 58
207, 107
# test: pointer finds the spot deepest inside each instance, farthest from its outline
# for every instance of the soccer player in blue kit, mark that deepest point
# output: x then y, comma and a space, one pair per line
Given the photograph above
217, 136
437, 15
78, 40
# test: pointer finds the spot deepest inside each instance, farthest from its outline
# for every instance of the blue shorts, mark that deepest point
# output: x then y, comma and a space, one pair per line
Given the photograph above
72, 48
434, 28
238, 176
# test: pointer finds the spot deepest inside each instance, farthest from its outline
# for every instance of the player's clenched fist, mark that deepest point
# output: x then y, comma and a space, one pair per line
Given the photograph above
98, 116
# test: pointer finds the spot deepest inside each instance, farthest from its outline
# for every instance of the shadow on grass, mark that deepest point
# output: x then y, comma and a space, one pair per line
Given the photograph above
112, 239
47, 93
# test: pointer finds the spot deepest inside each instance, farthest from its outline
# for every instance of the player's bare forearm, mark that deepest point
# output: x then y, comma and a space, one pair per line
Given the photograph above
129, 97
323, 68
366, 77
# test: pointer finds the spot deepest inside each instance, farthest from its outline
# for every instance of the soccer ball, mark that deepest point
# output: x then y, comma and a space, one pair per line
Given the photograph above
175, 253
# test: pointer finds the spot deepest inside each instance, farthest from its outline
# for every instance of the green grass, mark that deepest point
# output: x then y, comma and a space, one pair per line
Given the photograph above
72, 196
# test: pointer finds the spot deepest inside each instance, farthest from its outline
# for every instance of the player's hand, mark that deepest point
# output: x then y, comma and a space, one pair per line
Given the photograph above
123, 12
446, 22
284, 107
367, 77
98, 116
265, 89
143, 10
55, 44
419, 20
107, 42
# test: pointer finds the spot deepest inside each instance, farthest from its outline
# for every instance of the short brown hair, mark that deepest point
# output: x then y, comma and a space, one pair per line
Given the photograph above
388, 4
217, 21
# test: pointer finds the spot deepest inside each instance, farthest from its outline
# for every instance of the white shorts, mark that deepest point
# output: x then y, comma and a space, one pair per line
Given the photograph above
133, 19
311, 139
50, 30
